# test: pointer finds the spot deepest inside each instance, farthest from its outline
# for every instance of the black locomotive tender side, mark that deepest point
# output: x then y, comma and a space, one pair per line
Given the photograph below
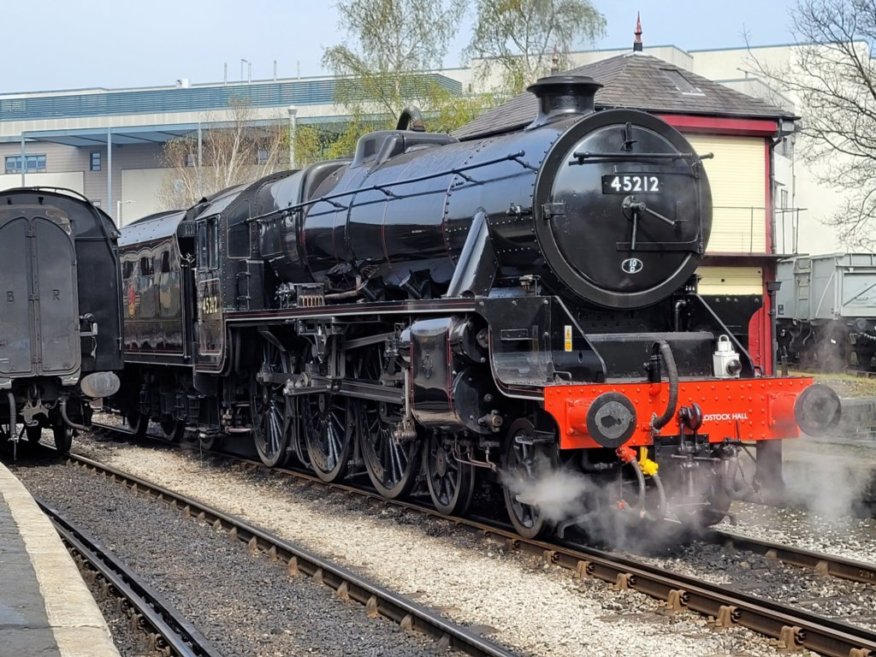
429, 299
60, 323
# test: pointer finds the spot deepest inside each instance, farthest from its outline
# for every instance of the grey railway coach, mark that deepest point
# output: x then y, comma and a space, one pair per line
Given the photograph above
826, 309
60, 321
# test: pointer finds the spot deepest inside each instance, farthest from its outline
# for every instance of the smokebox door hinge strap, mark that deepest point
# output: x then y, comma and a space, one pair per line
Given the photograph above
553, 209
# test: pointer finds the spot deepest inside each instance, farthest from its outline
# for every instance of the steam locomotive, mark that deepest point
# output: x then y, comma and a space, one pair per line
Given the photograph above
441, 312
60, 318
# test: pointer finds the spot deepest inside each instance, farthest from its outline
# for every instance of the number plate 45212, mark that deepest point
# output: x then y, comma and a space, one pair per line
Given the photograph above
632, 183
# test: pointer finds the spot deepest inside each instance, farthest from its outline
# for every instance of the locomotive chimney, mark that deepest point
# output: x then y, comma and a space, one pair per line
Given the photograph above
562, 95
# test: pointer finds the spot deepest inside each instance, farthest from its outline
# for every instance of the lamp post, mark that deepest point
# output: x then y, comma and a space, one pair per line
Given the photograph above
119, 205
293, 113
242, 62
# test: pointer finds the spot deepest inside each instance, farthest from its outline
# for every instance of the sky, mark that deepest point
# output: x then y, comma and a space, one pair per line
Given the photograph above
59, 44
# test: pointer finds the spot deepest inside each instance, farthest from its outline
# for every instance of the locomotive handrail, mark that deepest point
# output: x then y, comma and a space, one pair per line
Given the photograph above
459, 171
52, 188
581, 156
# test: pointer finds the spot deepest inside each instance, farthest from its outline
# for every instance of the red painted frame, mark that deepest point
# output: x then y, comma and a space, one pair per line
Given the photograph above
745, 409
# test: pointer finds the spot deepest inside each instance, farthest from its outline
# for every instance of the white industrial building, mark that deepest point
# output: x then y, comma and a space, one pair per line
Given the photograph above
107, 143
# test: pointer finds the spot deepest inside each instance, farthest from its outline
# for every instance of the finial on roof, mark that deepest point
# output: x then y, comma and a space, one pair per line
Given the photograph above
555, 62
637, 43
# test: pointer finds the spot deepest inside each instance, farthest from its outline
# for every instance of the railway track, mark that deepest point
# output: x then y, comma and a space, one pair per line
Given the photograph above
822, 563
792, 627
168, 633
377, 600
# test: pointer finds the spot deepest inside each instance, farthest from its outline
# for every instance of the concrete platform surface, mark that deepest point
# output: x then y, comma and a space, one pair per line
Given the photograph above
46, 610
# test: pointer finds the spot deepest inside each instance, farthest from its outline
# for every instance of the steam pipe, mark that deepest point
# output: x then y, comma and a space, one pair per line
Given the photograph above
665, 351
661, 492
476, 267
70, 423
641, 478
736, 493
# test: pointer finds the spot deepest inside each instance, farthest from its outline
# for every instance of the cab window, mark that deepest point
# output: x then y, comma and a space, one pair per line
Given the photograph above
238, 241
208, 243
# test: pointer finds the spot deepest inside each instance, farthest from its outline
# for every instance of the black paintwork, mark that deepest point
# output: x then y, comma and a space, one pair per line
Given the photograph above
154, 272
523, 238
388, 217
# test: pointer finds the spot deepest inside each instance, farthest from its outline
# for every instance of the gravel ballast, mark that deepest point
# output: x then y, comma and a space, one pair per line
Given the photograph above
518, 601
245, 605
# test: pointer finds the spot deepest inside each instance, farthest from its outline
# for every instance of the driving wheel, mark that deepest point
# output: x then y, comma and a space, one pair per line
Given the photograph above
392, 464
270, 417
327, 423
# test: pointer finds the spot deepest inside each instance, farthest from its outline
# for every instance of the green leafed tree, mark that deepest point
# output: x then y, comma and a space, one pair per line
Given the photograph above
516, 40
380, 66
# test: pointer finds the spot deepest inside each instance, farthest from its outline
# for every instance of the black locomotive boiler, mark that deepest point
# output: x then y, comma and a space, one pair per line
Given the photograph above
439, 313
60, 320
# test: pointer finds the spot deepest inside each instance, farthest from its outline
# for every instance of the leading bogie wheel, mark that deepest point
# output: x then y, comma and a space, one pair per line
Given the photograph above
524, 462
451, 481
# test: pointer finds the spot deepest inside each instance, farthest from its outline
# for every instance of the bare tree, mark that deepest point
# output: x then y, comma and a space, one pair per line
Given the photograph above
380, 67
237, 150
833, 80
519, 38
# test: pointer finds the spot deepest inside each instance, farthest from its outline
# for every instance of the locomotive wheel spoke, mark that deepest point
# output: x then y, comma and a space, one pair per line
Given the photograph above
451, 482
522, 463
270, 430
328, 432
391, 465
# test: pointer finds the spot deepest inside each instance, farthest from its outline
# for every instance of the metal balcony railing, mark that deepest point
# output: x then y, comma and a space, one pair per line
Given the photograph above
743, 229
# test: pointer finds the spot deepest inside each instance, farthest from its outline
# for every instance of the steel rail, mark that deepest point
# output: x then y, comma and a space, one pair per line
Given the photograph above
795, 627
821, 563
179, 636
348, 585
